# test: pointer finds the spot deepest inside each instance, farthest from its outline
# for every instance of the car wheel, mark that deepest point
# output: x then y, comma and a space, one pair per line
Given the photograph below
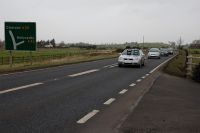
140, 65
119, 65
143, 63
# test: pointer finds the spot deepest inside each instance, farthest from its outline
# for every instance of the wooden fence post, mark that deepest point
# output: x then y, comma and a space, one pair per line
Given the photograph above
189, 67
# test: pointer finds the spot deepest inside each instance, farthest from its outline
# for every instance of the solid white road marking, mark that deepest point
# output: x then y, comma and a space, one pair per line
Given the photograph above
87, 117
115, 64
19, 88
160, 65
112, 66
106, 66
139, 80
82, 73
133, 84
123, 91
109, 101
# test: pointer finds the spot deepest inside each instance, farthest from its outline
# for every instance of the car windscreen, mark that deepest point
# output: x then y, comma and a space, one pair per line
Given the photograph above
153, 50
131, 52
164, 50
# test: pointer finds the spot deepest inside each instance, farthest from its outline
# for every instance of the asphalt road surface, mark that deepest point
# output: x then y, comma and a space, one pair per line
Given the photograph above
55, 100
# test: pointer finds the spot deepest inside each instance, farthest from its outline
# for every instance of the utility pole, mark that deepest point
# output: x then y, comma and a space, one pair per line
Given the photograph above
180, 41
143, 42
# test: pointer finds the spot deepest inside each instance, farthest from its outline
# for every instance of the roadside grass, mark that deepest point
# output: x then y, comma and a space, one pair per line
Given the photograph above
44, 51
90, 56
177, 65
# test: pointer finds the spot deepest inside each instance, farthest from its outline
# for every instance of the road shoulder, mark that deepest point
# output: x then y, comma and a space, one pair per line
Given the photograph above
171, 105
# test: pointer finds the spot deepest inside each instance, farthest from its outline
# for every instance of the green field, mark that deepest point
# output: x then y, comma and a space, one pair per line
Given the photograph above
41, 55
195, 53
50, 57
44, 52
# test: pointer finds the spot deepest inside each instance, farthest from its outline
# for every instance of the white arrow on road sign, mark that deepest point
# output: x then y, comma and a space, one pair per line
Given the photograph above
13, 40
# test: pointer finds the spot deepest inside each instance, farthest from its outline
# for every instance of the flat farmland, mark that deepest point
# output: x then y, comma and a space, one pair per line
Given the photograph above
50, 57
195, 53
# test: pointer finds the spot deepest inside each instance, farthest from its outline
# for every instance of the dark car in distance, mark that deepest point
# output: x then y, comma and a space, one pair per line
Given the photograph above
164, 52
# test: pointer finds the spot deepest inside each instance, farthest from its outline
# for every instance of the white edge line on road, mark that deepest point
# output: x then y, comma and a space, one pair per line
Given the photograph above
160, 65
109, 101
87, 117
133, 84
147, 74
82, 73
137, 102
139, 80
143, 77
19, 88
123, 91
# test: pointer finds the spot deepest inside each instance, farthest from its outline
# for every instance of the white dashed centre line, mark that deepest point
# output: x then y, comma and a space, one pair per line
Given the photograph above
108, 102
147, 74
19, 88
143, 77
87, 117
133, 84
139, 80
82, 73
123, 91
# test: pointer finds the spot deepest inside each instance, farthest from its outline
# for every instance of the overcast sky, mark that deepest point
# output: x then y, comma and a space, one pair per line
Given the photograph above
106, 21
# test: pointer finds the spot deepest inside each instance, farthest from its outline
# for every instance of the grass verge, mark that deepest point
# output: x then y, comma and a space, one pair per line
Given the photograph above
56, 62
177, 65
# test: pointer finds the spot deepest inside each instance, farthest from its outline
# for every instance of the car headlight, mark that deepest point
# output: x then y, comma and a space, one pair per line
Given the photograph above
138, 59
120, 59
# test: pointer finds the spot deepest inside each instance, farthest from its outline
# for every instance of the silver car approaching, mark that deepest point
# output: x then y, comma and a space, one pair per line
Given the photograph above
154, 53
132, 57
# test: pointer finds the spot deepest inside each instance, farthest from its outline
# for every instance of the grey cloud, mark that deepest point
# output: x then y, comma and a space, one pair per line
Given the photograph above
107, 20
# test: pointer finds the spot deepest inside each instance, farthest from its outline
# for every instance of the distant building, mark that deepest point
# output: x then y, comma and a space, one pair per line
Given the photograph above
48, 45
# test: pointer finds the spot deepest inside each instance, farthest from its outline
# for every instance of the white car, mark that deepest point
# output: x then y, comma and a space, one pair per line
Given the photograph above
170, 50
131, 57
154, 53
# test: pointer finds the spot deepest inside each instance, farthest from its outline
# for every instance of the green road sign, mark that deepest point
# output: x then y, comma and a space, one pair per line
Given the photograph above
20, 36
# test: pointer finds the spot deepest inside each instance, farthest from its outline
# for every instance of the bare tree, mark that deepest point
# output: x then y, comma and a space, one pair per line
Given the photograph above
172, 44
179, 43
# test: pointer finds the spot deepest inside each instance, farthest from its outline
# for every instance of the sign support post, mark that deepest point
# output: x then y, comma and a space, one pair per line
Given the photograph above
31, 58
11, 59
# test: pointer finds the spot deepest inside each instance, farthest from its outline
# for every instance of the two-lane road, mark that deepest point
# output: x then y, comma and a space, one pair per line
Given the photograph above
54, 100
